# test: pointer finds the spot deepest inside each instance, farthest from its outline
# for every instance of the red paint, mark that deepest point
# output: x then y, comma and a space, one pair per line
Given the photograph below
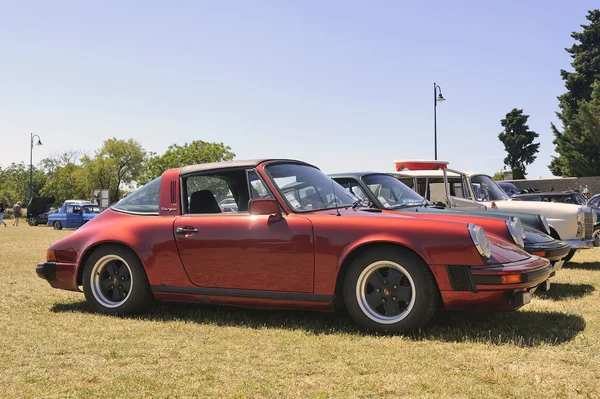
420, 165
299, 253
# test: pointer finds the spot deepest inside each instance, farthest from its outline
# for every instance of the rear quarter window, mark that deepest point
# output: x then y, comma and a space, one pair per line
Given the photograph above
143, 200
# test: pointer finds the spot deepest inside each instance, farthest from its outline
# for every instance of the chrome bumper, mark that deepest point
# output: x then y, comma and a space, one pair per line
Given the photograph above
583, 244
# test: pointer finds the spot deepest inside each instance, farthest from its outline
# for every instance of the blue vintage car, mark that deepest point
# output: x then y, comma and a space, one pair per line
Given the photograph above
73, 215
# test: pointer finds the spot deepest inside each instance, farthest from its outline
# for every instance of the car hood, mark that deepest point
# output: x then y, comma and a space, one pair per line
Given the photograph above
39, 205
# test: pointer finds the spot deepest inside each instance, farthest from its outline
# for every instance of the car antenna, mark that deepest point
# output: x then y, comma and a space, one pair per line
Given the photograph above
337, 210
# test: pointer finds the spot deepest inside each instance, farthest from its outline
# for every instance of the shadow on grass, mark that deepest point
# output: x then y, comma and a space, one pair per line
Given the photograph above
523, 328
583, 265
560, 291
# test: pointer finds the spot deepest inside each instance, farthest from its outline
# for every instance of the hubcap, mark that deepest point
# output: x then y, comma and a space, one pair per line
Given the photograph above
111, 281
385, 292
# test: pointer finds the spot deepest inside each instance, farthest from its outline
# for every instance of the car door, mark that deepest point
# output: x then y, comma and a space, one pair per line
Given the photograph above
235, 250
73, 217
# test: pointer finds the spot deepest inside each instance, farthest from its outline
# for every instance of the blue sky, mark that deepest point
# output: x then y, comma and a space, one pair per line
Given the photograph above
345, 85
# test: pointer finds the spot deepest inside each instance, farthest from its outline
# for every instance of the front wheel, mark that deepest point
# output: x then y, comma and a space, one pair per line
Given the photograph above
32, 221
115, 282
597, 234
390, 291
57, 225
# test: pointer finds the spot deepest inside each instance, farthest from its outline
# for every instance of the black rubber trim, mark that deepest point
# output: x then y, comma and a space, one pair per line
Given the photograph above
461, 278
48, 270
535, 276
281, 296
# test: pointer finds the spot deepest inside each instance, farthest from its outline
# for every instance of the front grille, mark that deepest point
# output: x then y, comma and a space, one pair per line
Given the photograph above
461, 278
588, 223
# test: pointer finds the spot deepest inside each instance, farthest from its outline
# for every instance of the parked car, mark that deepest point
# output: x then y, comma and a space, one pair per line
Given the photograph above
228, 205
509, 188
37, 210
312, 250
382, 191
73, 215
594, 203
570, 223
566, 197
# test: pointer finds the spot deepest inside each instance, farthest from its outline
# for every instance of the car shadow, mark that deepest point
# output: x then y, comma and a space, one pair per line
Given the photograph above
522, 328
560, 291
583, 265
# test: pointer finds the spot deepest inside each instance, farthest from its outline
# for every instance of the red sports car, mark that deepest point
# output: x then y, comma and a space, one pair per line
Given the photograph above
295, 241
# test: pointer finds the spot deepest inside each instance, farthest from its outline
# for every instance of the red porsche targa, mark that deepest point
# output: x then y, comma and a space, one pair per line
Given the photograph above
295, 241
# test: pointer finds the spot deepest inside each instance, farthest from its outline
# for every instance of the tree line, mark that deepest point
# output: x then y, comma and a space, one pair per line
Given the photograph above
73, 174
578, 143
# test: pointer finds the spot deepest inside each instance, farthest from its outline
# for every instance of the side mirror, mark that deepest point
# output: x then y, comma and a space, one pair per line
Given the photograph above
265, 206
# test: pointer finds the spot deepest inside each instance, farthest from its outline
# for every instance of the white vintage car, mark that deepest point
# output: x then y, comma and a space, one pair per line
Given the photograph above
571, 223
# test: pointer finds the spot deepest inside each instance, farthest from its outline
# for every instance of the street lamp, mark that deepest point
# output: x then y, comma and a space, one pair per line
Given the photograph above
436, 99
39, 142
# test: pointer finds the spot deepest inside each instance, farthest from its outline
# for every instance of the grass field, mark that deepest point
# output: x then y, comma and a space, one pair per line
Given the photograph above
52, 346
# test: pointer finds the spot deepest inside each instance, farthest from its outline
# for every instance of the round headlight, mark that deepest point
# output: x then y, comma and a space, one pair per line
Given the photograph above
516, 230
544, 223
480, 241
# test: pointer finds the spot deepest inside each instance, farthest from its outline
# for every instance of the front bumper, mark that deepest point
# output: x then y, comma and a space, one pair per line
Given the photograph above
498, 287
59, 275
553, 250
583, 244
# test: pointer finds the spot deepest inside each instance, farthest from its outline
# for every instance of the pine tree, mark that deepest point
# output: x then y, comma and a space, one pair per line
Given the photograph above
518, 142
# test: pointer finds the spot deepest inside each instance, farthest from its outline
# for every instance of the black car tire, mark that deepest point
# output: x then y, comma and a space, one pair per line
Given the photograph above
32, 221
386, 275
57, 225
115, 281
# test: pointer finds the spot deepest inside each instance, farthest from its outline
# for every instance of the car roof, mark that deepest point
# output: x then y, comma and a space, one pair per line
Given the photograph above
239, 164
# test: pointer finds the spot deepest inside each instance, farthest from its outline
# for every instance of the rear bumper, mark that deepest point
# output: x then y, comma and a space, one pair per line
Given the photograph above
499, 287
59, 275
582, 244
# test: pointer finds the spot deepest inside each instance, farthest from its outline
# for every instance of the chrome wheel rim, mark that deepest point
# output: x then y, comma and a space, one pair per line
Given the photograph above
385, 292
111, 281
596, 234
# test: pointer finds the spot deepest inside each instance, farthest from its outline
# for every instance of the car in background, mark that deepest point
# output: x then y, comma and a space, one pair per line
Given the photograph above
37, 210
303, 247
228, 205
594, 203
73, 215
509, 188
571, 223
566, 197
382, 191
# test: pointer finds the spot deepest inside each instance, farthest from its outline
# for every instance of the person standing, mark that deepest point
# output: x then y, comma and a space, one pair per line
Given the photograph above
17, 213
2, 213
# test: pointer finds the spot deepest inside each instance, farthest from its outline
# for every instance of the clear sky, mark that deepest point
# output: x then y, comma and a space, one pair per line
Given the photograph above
345, 85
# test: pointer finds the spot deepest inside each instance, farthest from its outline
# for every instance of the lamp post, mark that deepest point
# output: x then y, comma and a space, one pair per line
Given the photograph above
39, 142
436, 99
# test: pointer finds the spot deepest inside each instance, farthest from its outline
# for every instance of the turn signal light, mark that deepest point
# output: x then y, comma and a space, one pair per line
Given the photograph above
50, 255
539, 253
510, 279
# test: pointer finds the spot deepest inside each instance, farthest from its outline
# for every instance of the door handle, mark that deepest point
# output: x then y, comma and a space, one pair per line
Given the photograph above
186, 230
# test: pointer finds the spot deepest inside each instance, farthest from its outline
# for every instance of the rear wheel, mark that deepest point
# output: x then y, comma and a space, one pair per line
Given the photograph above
57, 225
115, 282
390, 291
597, 234
32, 221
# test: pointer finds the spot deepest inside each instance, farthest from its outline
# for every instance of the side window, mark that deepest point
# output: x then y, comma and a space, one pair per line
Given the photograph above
69, 209
210, 194
257, 187
352, 186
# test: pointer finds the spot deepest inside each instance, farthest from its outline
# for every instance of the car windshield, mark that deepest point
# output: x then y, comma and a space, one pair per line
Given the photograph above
391, 192
509, 187
486, 189
305, 188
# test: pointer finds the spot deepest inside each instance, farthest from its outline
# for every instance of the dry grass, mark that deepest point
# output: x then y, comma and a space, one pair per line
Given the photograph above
51, 346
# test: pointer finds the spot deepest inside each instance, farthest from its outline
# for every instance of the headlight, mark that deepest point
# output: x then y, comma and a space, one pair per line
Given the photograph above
544, 223
515, 227
480, 240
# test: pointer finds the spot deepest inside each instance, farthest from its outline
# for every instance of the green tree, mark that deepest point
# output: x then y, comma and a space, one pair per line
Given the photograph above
117, 162
65, 179
498, 176
178, 156
14, 183
573, 156
518, 142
